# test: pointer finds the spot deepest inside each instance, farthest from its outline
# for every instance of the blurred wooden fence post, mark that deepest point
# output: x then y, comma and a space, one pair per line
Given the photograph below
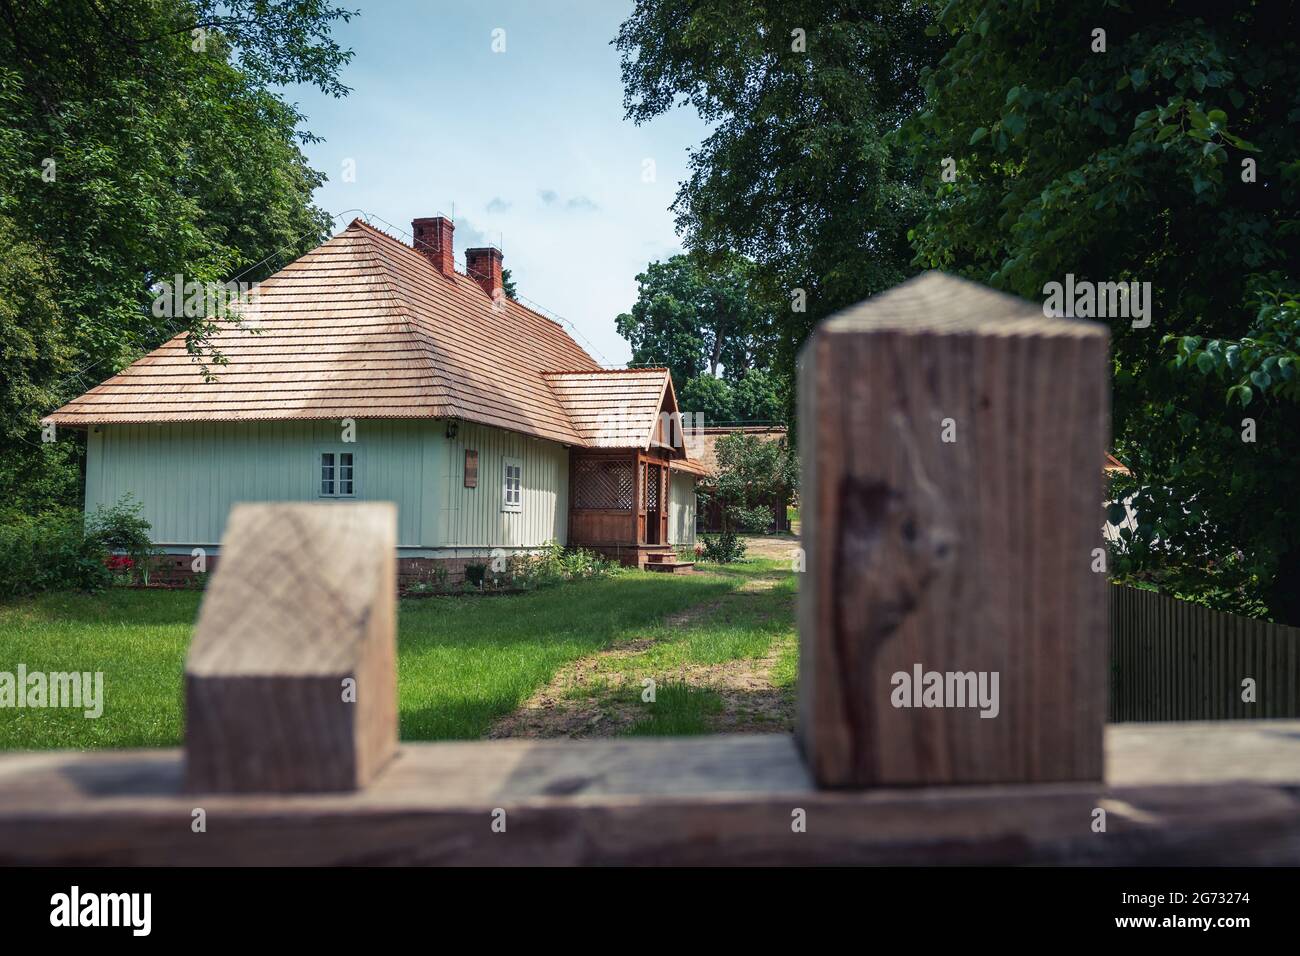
291, 680
952, 627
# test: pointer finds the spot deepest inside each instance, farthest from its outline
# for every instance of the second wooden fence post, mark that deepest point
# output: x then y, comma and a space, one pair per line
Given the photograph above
952, 625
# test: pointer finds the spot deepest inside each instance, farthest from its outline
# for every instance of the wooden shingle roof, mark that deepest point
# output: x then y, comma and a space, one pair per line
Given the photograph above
363, 326
612, 408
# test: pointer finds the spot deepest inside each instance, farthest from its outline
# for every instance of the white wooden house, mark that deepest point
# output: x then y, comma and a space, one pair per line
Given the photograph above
370, 369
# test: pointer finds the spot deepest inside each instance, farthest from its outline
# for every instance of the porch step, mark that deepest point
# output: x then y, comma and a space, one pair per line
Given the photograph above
670, 567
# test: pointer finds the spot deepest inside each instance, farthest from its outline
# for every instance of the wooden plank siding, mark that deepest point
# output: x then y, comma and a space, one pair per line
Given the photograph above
681, 510
1175, 660
472, 517
188, 476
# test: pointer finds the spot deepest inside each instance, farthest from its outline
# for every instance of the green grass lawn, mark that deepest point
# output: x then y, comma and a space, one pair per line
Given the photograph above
136, 638
721, 666
463, 661
737, 626
744, 626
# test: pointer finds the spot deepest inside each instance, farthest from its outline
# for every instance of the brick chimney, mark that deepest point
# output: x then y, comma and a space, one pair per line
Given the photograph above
484, 267
433, 240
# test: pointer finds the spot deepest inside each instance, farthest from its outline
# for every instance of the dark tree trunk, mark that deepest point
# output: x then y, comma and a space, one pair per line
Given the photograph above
716, 355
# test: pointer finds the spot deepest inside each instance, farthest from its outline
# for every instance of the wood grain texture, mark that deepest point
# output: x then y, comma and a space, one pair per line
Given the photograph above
1196, 794
304, 599
971, 555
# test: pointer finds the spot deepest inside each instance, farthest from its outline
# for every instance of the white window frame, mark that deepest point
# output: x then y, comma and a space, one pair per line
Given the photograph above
336, 482
512, 495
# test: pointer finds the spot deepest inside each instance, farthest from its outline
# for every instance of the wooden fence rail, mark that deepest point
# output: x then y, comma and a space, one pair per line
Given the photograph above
1175, 660
950, 447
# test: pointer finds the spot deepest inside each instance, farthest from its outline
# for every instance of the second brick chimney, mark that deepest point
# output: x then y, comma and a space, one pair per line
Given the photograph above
484, 267
433, 240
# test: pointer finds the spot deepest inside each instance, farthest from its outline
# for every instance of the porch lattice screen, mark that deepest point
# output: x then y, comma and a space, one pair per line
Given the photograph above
603, 484
652, 489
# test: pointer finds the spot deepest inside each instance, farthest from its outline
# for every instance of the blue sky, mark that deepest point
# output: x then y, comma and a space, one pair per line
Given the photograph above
529, 144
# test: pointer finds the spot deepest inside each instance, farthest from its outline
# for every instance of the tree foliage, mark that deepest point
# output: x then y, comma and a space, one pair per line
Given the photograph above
1016, 142
34, 351
799, 173
753, 473
508, 284
711, 326
140, 140
1170, 158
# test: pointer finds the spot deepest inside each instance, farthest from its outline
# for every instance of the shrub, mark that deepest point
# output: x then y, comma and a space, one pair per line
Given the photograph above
122, 529
522, 571
552, 565
579, 563
755, 520
49, 551
723, 548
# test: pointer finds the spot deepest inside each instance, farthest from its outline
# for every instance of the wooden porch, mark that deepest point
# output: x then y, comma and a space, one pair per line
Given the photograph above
618, 506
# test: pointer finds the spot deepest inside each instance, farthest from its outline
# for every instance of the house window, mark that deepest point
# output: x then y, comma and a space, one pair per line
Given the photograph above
512, 485
337, 475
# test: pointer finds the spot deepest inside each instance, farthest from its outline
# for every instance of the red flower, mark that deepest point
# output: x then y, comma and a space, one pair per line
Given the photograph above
119, 562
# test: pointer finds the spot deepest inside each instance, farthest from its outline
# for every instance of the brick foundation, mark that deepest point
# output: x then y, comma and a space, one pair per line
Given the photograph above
175, 570
423, 570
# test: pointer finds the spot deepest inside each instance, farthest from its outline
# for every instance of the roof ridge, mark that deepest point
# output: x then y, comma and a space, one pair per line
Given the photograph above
604, 371
358, 221
547, 318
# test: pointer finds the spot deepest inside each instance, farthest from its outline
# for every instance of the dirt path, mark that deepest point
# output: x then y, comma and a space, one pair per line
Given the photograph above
595, 697
776, 546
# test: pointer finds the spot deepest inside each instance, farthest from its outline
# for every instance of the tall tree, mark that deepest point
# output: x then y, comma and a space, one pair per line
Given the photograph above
140, 140
1158, 143
799, 173
710, 325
